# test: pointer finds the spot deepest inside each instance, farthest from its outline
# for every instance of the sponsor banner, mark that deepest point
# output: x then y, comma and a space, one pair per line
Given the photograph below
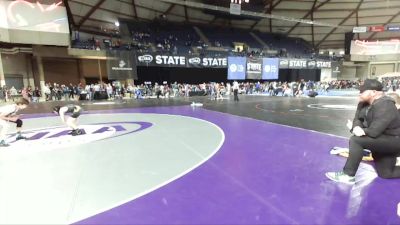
181, 61
194, 62
322, 64
311, 64
374, 48
304, 64
377, 28
215, 62
283, 63
336, 70
270, 69
145, 60
297, 64
359, 29
254, 68
237, 68
170, 61
393, 28
121, 65
235, 9
161, 60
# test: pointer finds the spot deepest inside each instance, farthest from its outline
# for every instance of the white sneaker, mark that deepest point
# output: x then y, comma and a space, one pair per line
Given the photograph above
338, 150
341, 177
3, 144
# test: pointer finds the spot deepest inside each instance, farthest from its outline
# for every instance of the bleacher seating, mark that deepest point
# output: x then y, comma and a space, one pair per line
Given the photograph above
165, 37
294, 47
227, 36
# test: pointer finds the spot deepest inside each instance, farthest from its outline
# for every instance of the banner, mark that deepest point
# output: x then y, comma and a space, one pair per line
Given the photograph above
254, 68
323, 64
283, 63
207, 62
169, 60
373, 48
318, 64
311, 64
237, 68
235, 9
377, 28
393, 28
359, 29
297, 64
181, 61
161, 60
121, 65
194, 62
270, 69
336, 70
145, 60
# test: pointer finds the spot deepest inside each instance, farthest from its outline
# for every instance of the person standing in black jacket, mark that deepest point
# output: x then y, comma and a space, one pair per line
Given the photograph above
376, 127
235, 91
71, 91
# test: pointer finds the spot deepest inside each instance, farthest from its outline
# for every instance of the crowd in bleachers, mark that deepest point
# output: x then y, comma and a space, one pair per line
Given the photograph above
165, 39
171, 38
96, 44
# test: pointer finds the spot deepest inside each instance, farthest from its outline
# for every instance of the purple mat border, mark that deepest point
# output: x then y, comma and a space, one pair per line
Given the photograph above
264, 173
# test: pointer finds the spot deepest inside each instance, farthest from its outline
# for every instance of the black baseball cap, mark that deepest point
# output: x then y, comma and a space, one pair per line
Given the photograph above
371, 84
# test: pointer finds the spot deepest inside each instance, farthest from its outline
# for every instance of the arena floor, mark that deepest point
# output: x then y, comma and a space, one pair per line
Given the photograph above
161, 161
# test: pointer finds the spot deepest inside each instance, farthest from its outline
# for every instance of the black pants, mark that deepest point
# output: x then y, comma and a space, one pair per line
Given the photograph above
385, 150
76, 114
18, 122
235, 95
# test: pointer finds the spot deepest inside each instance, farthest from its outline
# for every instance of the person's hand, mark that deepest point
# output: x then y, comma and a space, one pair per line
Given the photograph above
13, 118
358, 131
349, 124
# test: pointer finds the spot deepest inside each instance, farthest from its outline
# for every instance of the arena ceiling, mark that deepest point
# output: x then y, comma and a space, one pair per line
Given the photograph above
340, 15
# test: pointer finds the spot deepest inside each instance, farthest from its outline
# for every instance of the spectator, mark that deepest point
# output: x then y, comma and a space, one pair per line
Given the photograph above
376, 127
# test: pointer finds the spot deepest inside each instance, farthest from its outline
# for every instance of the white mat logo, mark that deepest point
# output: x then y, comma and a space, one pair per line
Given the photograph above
58, 137
398, 209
